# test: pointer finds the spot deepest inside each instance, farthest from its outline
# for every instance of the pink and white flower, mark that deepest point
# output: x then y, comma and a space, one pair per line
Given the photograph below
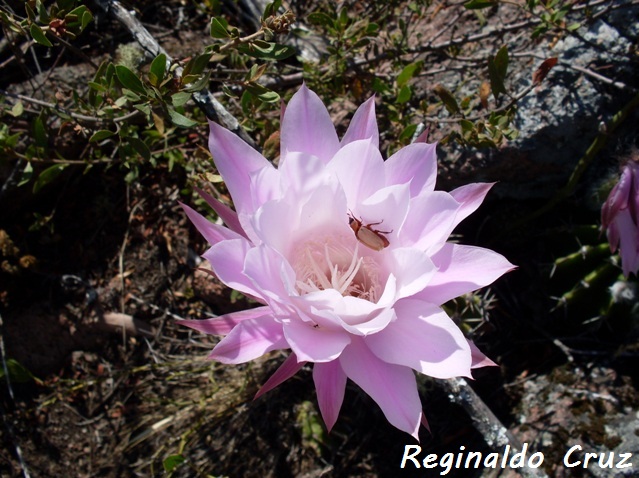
620, 217
354, 311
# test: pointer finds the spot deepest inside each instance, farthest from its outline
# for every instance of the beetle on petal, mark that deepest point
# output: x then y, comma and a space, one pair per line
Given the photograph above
371, 238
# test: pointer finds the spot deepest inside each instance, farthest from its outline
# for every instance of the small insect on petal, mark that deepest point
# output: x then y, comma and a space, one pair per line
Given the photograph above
371, 238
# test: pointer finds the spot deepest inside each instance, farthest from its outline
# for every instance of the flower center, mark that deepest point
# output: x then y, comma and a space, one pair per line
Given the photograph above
335, 263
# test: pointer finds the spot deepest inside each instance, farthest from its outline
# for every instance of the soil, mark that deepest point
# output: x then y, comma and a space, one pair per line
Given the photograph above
112, 386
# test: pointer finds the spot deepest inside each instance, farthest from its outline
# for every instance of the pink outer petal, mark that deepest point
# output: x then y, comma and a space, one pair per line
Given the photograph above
227, 261
249, 340
628, 242
430, 220
330, 384
618, 198
613, 236
393, 387
289, 367
470, 197
237, 162
313, 344
307, 127
634, 201
479, 359
226, 213
424, 338
363, 125
223, 324
213, 233
462, 269
415, 163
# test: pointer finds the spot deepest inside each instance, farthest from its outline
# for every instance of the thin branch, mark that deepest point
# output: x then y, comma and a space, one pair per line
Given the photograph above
77, 116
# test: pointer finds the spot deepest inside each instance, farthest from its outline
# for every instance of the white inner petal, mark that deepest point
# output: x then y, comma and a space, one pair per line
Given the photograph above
335, 263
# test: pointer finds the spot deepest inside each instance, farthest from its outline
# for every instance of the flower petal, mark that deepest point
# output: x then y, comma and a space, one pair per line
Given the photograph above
388, 204
430, 220
415, 164
393, 387
363, 125
307, 127
289, 367
228, 215
424, 338
213, 233
270, 274
462, 269
628, 242
618, 198
313, 344
479, 359
470, 197
249, 340
236, 161
359, 167
301, 173
413, 269
227, 260
330, 384
223, 324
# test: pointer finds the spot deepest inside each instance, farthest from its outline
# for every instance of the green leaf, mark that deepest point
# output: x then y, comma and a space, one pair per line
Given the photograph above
101, 135
97, 87
447, 98
501, 61
219, 28
196, 65
408, 72
129, 79
172, 462
65, 4
478, 4
42, 12
264, 94
30, 13
79, 18
157, 70
404, 94
39, 36
180, 120
27, 174
17, 109
497, 69
47, 176
271, 9
140, 147
407, 133
17, 372
266, 50
180, 98
201, 82
40, 133
467, 126
144, 108
321, 18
